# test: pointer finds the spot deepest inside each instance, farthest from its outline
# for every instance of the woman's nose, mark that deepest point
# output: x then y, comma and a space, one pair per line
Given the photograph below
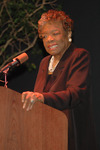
50, 38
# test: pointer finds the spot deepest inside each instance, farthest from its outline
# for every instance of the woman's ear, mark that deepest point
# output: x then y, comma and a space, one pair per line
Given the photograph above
69, 34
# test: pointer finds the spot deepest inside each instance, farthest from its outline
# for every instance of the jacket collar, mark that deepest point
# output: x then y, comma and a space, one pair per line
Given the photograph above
60, 65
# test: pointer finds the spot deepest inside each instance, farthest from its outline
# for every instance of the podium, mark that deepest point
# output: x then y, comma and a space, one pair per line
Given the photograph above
42, 128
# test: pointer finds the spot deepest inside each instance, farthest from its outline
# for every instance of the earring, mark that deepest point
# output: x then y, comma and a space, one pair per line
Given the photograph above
70, 39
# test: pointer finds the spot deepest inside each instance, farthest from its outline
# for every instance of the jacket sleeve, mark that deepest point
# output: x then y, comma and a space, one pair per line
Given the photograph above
77, 84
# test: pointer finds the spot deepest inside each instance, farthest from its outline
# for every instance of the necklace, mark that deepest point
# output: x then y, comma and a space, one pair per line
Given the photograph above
50, 67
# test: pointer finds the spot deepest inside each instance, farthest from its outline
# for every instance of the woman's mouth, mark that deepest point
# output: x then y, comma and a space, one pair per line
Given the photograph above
52, 46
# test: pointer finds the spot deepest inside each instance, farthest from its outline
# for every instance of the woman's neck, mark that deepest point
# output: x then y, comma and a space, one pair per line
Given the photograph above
59, 56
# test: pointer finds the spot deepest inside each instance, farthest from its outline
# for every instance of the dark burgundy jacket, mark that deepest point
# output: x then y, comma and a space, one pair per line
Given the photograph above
69, 91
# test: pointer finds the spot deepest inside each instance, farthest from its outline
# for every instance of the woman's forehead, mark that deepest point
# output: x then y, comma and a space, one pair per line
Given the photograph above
52, 26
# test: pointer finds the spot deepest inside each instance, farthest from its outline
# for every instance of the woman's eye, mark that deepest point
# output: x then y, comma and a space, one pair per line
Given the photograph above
44, 36
55, 33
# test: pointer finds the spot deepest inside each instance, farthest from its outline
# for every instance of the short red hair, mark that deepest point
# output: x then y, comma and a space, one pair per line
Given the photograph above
54, 15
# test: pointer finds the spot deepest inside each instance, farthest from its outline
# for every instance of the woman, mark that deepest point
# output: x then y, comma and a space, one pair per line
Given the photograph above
63, 80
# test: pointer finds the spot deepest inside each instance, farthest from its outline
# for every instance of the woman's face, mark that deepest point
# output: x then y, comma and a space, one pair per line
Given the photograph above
55, 38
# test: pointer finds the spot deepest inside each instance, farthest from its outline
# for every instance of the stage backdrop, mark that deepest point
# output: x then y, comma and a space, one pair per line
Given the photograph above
86, 16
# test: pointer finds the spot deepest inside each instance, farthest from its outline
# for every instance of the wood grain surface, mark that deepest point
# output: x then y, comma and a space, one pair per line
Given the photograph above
42, 128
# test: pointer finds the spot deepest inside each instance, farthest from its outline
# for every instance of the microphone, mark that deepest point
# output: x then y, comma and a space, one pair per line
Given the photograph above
16, 62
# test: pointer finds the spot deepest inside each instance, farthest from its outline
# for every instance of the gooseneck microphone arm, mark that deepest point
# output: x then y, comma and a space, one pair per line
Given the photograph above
16, 62
9, 65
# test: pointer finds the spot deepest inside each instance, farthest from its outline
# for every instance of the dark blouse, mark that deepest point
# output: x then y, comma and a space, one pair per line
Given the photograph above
47, 86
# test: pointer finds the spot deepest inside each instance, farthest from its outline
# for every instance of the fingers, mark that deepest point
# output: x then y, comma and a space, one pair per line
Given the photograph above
25, 103
30, 105
28, 100
23, 96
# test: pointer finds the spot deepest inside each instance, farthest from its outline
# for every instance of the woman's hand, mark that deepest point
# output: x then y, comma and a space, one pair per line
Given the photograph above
29, 98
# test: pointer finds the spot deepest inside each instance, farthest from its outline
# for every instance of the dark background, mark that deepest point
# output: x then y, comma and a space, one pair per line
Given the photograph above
86, 16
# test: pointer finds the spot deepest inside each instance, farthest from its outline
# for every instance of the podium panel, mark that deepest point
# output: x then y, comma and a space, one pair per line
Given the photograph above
42, 128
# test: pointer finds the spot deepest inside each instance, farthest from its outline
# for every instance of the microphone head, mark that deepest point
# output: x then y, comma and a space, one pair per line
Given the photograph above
21, 58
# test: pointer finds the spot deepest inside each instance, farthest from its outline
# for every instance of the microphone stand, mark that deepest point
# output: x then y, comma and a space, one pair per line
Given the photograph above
5, 74
5, 70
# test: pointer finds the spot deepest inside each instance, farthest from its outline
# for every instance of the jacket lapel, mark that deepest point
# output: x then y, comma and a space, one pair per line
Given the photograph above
43, 74
62, 63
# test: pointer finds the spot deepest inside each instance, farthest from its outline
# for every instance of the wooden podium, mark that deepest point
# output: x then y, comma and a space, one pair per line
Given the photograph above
42, 128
